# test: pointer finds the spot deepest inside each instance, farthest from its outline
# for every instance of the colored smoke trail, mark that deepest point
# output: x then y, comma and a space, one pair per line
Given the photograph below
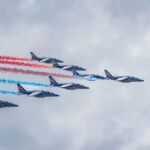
24, 64
23, 82
8, 92
22, 71
14, 58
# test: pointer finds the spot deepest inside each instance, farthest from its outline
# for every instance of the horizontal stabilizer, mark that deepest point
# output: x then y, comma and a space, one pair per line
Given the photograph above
55, 64
75, 72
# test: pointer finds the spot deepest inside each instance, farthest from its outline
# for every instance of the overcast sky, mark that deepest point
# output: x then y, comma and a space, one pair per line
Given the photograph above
94, 34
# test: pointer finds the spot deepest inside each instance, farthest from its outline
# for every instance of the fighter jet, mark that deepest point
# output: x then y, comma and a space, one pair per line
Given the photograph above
67, 67
90, 77
38, 94
7, 104
67, 86
47, 60
125, 79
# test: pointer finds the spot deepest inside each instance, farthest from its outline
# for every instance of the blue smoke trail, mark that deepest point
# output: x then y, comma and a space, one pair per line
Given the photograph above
8, 92
23, 82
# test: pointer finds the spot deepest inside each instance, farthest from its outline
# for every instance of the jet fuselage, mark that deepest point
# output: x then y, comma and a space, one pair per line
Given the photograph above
38, 94
4, 104
70, 86
125, 79
89, 77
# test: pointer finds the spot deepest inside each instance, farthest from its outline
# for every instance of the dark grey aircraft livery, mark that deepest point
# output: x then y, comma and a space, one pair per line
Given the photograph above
38, 94
68, 86
47, 60
90, 77
4, 104
125, 79
67, 67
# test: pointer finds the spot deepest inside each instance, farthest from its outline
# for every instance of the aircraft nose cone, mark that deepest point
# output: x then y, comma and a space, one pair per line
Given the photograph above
59, 61
14, 105
82, 69
140, 80
76, 68
53, 94
85, 87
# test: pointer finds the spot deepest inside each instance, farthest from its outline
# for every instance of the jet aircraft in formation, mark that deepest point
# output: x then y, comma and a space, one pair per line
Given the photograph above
67, 67
55, 62
125, 79
90, 77
47, 60
68, 86
4, 104
38, 94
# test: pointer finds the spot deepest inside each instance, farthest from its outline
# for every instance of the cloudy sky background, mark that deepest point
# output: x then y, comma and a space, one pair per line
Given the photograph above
97, 35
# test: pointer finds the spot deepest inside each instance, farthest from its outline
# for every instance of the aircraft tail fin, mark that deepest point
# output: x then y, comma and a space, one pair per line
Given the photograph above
20, 88
52, 80
34, 57
75, 72
108, 74
55, 64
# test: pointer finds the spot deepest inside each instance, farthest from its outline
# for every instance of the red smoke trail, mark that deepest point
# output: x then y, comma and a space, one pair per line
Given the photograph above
24, 64
14, 58
15, 70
